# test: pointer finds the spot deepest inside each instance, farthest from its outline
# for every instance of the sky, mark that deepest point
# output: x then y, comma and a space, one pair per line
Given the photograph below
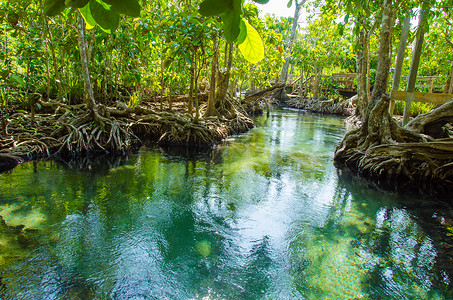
277, 7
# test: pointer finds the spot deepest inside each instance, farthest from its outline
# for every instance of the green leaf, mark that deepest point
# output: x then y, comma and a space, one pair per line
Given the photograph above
290, 2
53, 7
252, 48
13, 19
237, 6
231, 21
214, 7
242, 32
261, 1
167, 63
346, 18
86, 14
107, 19
16, 79
340, 29
127, 7
76, 3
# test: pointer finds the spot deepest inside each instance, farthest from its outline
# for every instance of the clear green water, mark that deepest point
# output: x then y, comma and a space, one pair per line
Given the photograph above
265, 216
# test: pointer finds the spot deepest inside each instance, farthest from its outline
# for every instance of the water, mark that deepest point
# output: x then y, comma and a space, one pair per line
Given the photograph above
264, 216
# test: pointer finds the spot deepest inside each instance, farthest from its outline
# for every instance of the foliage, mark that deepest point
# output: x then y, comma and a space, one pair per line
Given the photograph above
153, 53
330, 86
417, 108
235, 28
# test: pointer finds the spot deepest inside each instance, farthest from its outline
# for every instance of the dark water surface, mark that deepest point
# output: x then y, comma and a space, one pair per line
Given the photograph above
265, 216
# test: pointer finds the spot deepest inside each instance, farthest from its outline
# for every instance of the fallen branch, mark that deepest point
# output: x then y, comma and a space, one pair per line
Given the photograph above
264, 92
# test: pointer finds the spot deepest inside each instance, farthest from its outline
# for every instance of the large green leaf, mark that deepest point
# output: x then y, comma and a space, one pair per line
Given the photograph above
106, 18
214, 7
231, 21
237, 6
242, 32
86, 14
252, 48
127, 7
53, 7
261, 1
76, 3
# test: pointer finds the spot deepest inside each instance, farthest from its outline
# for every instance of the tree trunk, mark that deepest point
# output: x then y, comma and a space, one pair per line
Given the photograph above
357, 141
383, 67
223, 105
104, 72
450, 89
211, 110
433, 122
400, 59
414, 66
47, 73
196, 76
362, 99
284, 74
50, 44
192, 81
89, 95
224, 83
162, 83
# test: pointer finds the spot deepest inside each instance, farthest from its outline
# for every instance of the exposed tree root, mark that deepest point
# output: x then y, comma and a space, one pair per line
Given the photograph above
383, 149
337, 107
72, 130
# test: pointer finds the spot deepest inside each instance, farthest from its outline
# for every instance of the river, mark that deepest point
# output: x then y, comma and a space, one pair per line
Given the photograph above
265, 215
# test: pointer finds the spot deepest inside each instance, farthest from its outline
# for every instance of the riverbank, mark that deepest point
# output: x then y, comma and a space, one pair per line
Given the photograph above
331, 106
67, 131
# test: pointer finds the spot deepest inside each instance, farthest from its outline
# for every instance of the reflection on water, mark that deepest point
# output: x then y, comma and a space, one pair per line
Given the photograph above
264, 216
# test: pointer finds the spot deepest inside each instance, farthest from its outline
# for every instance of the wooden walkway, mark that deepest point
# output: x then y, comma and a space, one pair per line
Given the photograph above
409, 97
347, 82
344, 82
429, 89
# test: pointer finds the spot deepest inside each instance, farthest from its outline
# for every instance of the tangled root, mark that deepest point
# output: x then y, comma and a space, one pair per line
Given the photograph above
71, 130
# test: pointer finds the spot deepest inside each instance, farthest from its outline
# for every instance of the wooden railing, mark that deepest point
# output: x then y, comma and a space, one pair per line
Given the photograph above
435, 98
423, 84
345, 80
427, 83
410, 97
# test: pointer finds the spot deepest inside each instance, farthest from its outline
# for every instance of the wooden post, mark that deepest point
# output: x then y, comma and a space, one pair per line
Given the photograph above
400, 60
414, 67
432, 85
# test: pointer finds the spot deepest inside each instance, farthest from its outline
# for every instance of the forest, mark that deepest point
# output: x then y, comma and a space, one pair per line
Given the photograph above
202, 149
82, 77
